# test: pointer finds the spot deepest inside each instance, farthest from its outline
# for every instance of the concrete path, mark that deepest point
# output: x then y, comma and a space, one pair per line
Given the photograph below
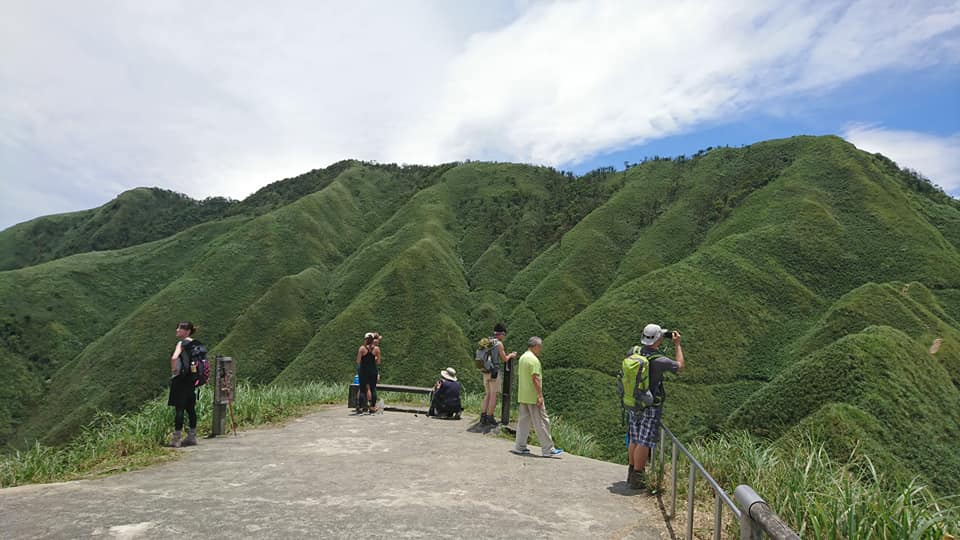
335, 475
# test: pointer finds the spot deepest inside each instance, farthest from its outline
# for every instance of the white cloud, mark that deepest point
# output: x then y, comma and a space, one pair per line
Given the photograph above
568, 80
221, 98
937, 158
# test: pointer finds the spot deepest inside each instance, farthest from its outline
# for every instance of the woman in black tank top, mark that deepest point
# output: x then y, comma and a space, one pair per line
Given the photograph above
368, 362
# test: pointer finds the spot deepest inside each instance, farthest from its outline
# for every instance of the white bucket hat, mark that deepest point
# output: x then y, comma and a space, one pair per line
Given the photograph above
651, 333
449, 374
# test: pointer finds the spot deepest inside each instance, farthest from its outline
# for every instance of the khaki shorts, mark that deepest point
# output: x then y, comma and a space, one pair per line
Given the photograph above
493, 385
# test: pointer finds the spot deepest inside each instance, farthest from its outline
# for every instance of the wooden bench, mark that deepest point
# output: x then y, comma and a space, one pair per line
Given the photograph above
352, 392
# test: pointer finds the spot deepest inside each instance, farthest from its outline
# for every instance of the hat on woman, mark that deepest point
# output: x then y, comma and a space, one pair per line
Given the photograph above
369, 335
449, 374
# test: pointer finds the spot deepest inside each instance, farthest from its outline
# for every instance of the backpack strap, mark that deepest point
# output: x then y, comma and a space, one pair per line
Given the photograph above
659, 394
636, 385
646, 366
184, 353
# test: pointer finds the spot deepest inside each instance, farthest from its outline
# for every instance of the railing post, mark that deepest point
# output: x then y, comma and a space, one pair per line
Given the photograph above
652, 455
660, 462
717, 517
673, 478
746, 497
693, 485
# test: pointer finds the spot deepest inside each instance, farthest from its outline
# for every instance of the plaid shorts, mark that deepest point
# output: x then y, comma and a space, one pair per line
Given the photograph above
644, 426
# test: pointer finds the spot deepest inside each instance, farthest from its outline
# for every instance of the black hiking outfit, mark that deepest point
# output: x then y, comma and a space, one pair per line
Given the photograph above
446, 399
368, 377
182, 395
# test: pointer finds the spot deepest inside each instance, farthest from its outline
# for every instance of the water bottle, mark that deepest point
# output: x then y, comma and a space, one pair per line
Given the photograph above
356, 378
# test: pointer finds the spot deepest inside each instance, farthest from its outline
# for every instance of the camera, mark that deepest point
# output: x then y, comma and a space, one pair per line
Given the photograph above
668, 334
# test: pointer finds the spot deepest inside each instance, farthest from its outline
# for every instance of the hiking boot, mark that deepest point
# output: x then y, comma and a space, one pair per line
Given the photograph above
191, 439
483, 419
639, 480
175, 442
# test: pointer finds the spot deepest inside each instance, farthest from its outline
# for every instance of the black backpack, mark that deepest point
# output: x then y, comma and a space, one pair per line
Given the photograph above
194, 362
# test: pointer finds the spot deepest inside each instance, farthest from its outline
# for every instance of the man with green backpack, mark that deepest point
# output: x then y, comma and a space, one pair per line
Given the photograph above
642, 395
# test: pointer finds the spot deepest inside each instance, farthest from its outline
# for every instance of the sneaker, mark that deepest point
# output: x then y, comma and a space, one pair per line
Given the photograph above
524, 452
556, 452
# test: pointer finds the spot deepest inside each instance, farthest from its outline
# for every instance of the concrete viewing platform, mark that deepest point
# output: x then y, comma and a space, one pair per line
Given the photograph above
331, 474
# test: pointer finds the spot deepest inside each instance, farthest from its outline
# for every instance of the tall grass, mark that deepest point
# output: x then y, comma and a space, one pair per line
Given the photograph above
818, 496
113, 443
570, 438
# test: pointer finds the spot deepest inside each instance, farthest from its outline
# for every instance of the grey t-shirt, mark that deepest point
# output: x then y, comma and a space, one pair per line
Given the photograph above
659, 366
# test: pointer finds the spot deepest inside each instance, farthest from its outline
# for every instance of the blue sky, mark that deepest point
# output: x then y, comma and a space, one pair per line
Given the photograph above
222, 98
925, 101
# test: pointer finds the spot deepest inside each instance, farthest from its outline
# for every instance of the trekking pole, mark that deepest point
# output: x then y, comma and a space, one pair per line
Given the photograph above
233, 419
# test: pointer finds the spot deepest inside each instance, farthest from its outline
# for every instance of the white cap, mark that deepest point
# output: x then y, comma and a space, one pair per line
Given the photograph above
369, 335
651, 334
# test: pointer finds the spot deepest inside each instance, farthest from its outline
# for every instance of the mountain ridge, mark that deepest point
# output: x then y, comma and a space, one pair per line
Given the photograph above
755, 253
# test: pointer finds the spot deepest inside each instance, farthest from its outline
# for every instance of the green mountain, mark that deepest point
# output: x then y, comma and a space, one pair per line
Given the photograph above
809, 280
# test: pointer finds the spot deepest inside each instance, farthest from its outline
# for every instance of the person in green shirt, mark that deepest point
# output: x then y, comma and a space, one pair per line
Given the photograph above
530, 401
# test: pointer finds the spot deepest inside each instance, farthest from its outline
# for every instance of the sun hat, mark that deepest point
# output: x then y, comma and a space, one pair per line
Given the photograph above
651, 333
369, 335
449, 374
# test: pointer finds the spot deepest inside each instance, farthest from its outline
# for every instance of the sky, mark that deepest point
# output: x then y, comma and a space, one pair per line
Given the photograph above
221, 98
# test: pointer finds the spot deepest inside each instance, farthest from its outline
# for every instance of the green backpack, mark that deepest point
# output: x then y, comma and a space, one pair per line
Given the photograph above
635, 374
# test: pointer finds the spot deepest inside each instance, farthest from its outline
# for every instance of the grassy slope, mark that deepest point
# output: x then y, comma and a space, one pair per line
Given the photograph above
232, 272
411, 262
142, 215
134, 217
762, 276
873, 386
753, 252
53, 311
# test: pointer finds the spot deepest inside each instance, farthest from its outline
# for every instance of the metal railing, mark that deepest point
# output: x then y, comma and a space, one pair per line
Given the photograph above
755, 515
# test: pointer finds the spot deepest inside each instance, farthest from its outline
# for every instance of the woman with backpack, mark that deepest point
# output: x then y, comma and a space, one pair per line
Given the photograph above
368, 366
182, 397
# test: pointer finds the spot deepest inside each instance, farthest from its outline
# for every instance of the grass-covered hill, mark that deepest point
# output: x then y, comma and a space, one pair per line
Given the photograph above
809, 280
134, 217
